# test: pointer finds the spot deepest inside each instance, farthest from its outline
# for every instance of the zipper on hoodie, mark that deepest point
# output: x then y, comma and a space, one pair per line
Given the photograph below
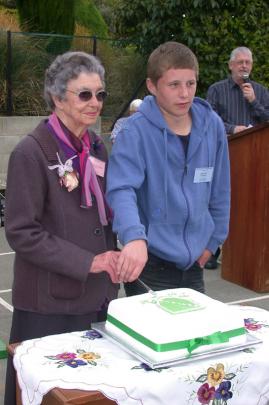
185, 171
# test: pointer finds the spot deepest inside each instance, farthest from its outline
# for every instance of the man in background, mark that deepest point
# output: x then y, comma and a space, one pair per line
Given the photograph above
120, 122
239, 101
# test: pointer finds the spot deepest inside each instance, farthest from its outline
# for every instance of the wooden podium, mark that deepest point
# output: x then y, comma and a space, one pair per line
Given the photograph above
245, 254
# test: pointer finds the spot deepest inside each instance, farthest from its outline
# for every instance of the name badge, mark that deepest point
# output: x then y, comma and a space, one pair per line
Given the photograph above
98, 165
203, 175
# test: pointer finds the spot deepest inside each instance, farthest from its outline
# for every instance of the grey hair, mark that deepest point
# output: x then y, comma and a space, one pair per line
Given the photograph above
135, 104
66, 67
240, 49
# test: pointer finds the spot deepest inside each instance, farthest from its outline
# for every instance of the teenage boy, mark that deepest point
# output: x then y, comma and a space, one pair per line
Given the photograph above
169, 179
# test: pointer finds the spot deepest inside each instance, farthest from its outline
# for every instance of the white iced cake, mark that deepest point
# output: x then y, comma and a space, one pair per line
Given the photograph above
172, 324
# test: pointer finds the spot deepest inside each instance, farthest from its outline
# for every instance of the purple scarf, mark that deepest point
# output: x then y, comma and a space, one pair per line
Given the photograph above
89, 179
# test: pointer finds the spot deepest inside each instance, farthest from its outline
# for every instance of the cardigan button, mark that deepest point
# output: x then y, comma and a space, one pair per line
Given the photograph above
97, 232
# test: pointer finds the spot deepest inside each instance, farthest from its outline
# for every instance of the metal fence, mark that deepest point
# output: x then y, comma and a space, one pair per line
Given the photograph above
25, 56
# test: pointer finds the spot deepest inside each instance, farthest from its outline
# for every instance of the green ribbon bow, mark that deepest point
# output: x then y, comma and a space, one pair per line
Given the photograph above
189, 345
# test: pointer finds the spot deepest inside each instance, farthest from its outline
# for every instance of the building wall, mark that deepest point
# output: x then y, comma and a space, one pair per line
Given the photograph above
12, 129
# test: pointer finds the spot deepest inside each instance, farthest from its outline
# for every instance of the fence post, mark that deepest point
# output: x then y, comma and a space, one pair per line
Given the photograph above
94, 46
9, 104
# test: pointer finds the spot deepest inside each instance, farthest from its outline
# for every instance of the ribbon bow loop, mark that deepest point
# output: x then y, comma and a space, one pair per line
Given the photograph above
215, 338
62, 168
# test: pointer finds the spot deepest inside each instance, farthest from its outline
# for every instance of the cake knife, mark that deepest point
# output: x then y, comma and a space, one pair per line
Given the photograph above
147, 288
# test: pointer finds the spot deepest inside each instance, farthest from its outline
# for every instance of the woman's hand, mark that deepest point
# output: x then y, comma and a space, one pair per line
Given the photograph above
106, 261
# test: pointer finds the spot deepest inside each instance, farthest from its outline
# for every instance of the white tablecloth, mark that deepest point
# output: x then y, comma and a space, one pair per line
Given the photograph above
86, 361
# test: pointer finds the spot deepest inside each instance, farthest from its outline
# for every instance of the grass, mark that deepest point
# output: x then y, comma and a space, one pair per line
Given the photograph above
30, 57
9, 19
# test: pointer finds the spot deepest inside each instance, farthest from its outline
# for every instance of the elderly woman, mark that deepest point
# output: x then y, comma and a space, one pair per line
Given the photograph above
57, 220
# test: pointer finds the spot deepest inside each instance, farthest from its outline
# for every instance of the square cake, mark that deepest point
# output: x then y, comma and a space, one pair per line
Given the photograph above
173, 324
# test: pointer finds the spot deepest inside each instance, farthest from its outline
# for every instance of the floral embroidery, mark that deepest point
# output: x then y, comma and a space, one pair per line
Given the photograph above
65, 356
215, 376
253, 325
249, 350
75, 363
89, 356
205, 394
74, 360
92, 334
146, 367
223, 392
216, 387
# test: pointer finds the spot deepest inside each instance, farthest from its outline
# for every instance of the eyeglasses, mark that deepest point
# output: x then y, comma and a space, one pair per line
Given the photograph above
243, 61
86, 95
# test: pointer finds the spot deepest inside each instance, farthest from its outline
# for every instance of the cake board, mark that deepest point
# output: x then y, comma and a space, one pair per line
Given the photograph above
251, 340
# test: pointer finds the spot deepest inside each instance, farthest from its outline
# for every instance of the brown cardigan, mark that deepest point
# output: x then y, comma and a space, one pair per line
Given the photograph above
54, 239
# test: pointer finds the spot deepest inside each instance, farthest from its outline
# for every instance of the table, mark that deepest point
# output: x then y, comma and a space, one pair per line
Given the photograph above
59, 396
72, 368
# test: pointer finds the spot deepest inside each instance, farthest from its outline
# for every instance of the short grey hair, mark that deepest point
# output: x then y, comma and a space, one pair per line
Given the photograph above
66, 67
135, 104
240, 49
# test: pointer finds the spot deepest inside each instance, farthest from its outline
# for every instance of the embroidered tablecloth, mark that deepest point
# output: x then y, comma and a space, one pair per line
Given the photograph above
88, 361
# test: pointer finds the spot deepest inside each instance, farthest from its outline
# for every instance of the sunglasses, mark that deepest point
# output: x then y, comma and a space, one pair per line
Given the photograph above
86, 95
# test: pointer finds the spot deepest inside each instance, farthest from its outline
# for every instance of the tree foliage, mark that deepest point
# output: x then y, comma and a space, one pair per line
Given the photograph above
88, 16
50, 16
106, 7
8, 3
210, 28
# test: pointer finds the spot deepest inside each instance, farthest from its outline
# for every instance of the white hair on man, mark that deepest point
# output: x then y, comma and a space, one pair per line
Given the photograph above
240, 49
135, 104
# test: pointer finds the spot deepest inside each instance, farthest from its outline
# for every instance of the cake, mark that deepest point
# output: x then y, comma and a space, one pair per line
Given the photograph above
174, 324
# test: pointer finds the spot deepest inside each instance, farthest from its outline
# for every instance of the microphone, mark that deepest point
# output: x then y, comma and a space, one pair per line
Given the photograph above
245, 77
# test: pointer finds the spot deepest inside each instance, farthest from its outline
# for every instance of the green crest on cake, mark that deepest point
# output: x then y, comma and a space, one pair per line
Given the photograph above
177, 305
174, 304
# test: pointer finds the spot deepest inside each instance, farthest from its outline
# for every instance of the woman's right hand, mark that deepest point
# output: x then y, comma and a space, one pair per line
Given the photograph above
106, 261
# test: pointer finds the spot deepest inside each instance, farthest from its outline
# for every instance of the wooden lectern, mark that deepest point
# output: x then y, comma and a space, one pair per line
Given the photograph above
245, 254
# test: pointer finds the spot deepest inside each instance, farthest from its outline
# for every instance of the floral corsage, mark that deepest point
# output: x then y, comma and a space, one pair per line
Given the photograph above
68, 176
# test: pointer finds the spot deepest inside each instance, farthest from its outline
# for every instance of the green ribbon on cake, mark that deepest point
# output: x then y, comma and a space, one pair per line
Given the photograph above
190, 344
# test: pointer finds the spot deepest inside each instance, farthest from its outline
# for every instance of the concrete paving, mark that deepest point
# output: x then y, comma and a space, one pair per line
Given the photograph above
216, 288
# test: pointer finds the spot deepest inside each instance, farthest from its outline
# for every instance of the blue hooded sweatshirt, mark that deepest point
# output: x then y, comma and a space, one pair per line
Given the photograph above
159, 194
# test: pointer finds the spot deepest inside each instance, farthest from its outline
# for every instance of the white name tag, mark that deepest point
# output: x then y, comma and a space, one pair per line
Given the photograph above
98, 165
203, 175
